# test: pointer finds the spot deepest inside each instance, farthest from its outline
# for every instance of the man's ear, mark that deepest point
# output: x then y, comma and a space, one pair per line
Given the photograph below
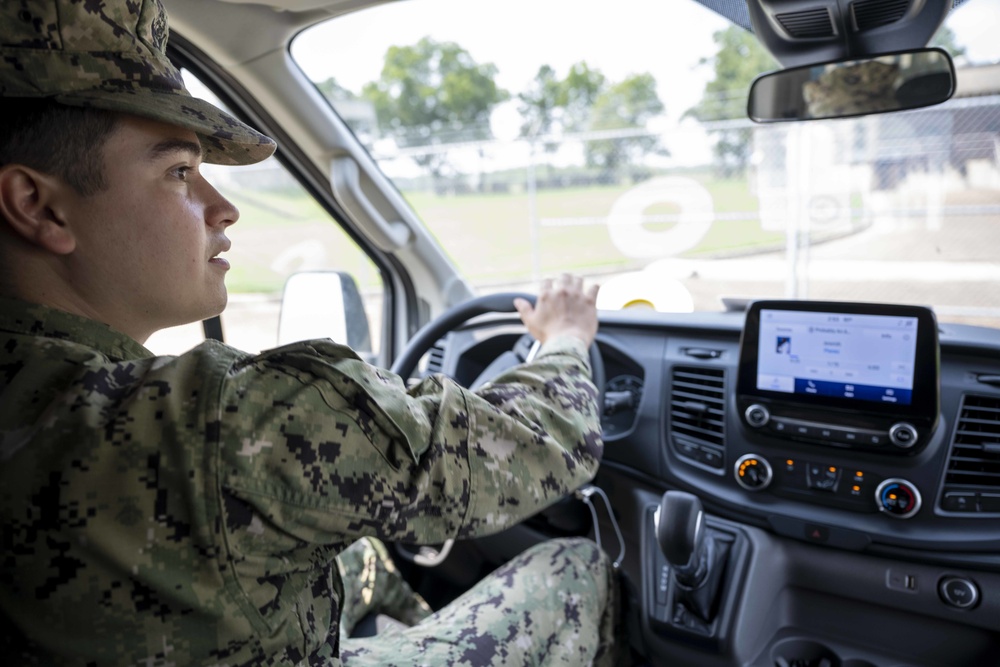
27, 201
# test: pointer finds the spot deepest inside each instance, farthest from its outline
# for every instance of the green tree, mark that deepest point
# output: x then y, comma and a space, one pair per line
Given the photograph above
333, 91
586, 101
578, 93
630, 104
551, 104
540, 103
358, 113
739, 60
433, 93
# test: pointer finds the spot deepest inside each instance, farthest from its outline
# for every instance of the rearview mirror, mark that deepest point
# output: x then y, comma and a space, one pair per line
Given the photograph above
892, 82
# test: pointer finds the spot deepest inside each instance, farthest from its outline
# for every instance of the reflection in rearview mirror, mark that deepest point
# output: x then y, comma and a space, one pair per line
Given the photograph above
853, 87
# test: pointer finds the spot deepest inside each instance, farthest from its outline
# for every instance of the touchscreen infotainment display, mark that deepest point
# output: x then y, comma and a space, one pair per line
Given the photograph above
880, 360
837, 355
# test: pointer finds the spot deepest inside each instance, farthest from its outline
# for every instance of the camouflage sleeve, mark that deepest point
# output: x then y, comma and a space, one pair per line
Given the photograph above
535, 436
325, 448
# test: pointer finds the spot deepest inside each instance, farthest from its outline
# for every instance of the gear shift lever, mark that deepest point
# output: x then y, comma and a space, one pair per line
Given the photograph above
697, 556
681, 534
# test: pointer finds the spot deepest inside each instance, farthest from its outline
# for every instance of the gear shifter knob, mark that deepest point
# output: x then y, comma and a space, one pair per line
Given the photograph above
681, 535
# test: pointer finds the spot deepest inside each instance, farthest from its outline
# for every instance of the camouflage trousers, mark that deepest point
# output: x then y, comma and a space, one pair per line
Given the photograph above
555, 604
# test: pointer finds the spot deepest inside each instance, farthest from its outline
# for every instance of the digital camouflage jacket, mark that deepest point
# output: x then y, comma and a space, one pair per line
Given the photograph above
188, 510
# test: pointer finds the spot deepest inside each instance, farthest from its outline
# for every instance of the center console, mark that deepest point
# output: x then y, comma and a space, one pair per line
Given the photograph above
850, 376
827, 443
857, 376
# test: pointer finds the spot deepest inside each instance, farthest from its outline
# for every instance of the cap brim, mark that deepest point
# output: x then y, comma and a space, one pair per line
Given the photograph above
225, 140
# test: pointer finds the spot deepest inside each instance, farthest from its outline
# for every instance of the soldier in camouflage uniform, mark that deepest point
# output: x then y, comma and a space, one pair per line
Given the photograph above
190, 510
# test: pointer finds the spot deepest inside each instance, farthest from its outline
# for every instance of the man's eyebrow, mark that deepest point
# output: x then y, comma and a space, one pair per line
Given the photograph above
168, 146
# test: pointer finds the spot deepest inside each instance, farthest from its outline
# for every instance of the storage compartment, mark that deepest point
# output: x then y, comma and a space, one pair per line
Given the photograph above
856, 634
803, 653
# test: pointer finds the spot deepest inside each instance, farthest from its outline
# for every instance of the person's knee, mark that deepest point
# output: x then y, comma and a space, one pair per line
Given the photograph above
584, 558
585, 549
585, 552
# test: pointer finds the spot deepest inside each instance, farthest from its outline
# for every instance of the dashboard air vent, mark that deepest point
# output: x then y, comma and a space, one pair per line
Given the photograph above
870, 14
435, 358
972, 480
807, 24
698, 414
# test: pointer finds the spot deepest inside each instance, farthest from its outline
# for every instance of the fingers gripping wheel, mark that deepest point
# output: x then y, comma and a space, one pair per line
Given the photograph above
502, 302
431, 333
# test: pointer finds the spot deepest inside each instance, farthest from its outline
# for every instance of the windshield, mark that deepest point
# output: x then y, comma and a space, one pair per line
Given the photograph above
612, 141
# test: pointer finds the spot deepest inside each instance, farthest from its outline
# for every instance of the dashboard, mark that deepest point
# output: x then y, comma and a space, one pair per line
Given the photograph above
847, 455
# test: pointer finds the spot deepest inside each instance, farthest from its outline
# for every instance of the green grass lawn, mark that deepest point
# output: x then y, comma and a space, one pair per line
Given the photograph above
488, 236
280, 232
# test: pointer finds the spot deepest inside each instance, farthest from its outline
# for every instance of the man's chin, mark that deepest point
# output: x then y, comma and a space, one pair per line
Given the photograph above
214, 309
220, 301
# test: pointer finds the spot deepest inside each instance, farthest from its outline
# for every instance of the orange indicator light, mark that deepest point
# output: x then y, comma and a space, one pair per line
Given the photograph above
832, 469
859, 474
857, 488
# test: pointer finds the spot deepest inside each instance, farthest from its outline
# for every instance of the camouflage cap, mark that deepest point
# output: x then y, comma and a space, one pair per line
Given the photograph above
110, 54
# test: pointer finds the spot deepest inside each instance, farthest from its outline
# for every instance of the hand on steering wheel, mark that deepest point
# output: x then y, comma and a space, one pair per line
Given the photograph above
433, 331
563, 308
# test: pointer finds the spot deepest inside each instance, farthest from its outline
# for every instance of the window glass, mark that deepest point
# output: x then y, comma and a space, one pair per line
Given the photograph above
281, 231
538, 137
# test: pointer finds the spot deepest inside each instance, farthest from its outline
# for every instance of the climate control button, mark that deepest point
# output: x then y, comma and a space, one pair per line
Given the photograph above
753, 472
898, 498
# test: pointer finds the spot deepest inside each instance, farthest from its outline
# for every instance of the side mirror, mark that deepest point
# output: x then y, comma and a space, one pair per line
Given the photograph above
894, 82
324, 304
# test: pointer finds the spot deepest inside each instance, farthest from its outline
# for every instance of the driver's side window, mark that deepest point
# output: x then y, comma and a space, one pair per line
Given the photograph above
282, 230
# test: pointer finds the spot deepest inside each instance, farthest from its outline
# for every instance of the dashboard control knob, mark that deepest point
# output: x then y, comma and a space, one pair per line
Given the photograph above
958, 592
903, 435
898, 498
757, 415
753, 472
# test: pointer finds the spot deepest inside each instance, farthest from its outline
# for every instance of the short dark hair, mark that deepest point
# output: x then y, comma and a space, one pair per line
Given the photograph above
57, 139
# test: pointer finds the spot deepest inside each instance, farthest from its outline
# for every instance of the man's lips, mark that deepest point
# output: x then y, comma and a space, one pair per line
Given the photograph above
221, 262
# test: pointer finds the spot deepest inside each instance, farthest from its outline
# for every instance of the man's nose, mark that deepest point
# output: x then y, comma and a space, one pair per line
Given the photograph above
219, 211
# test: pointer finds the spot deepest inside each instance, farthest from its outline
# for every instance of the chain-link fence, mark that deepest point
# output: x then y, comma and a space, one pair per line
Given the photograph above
897, 206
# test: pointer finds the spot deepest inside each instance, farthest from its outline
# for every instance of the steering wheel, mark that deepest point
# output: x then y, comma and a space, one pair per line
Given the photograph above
432, 332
